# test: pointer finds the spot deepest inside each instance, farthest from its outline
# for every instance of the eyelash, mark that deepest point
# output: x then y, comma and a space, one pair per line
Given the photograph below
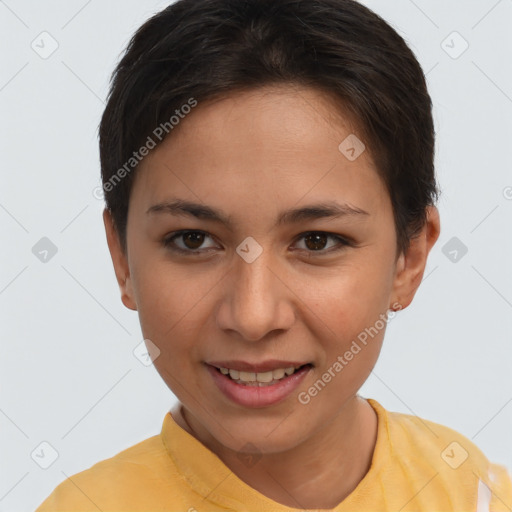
168, 243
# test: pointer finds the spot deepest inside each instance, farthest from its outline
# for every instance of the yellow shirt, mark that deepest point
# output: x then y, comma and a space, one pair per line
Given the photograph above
417, 465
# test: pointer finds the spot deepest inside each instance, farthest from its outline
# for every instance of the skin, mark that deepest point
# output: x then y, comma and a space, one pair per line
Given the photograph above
253, 155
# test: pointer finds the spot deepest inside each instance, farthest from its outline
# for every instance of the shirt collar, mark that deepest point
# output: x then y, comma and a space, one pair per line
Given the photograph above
211, 478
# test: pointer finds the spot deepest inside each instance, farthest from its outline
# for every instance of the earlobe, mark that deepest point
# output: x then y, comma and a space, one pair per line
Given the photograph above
120, 262
411, 264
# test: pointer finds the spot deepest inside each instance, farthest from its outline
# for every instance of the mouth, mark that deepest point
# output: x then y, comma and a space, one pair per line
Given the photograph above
258, 385
260, 379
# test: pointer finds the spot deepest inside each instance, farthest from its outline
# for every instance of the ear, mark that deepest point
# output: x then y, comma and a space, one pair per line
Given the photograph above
120, 261
411, 263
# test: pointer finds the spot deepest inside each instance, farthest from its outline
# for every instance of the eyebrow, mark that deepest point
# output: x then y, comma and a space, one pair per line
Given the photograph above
330, 209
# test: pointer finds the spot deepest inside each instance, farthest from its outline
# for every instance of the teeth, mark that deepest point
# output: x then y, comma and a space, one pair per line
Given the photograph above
265, 376
279, 373
262, 378
247, 376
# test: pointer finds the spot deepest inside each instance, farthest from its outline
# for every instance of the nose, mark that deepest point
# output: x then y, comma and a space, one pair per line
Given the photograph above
256, 300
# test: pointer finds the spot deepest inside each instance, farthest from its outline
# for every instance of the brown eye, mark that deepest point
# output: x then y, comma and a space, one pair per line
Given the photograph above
193, 239
316, 241
191, 242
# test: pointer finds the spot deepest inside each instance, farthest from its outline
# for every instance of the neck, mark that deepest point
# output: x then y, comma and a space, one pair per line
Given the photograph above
319, 473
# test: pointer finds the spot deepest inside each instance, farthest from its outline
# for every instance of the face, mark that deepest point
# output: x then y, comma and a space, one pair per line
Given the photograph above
262, 275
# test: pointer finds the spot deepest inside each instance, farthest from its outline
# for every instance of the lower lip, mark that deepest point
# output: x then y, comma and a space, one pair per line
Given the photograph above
256, 396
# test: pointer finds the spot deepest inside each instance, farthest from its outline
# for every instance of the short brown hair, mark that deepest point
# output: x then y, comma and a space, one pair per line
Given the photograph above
203, 49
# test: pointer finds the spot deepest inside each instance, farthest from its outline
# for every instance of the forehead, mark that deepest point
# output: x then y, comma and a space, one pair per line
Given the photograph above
264, 146
274, 116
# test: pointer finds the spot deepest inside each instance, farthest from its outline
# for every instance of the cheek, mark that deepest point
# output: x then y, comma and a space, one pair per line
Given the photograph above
351, 303
354, 310
353, 295
171, 300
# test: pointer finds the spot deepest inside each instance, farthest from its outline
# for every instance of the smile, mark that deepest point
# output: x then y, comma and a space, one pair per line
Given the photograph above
260, 379
247, 387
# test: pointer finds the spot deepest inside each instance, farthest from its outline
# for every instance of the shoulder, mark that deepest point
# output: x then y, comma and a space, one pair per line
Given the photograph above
122, 482
455, 460
436, 442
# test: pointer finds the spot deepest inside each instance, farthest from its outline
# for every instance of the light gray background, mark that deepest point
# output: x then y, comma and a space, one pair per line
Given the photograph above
68, 373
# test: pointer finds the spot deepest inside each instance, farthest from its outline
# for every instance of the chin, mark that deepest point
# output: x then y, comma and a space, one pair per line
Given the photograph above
264, 434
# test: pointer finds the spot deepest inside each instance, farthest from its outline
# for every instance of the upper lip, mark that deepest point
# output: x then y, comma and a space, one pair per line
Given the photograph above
265, 366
